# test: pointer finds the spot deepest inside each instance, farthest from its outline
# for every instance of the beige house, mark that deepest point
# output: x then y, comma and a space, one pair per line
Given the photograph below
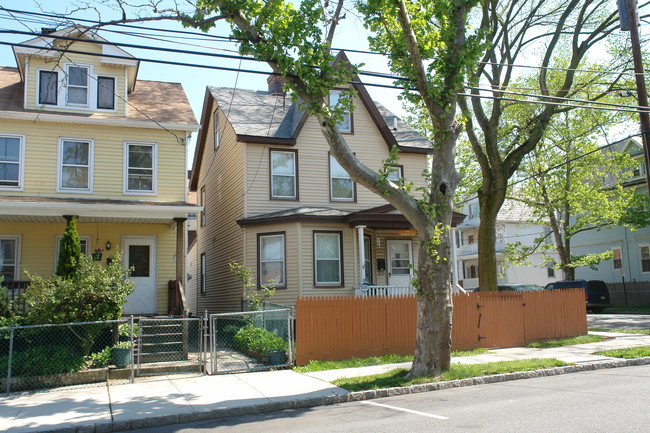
276, 201
81, 135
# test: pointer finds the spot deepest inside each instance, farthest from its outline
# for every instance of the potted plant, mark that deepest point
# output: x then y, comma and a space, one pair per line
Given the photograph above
121, 353
97, 254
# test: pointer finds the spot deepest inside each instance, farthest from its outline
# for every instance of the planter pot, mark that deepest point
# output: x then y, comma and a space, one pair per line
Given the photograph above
96, 256
121, 356
277, 357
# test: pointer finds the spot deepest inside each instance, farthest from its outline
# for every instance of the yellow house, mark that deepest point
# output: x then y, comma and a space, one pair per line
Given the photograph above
80, 135
277, 202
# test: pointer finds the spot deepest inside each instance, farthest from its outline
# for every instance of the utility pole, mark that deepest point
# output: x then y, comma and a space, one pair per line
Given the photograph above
628, 10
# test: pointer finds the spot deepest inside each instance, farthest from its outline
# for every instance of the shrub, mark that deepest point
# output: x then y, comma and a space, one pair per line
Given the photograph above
258, 340
99, 359
93, 293
43, 360
69, 251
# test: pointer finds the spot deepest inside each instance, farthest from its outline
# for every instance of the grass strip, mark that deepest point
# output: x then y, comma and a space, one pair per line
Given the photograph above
629, 353
398, 377
373, 360
622, 331
581, 339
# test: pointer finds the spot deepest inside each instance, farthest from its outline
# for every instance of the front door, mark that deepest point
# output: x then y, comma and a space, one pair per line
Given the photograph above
400, 269
140, 254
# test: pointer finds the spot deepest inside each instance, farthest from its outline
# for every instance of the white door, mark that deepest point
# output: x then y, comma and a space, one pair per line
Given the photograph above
400, 269
140, 253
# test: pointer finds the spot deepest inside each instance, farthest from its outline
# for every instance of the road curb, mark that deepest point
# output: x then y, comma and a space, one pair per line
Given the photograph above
157, 421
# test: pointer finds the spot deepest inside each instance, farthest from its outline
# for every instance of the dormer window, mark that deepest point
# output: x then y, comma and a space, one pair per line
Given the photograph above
346, 124
106, 93
48, 82
77, 85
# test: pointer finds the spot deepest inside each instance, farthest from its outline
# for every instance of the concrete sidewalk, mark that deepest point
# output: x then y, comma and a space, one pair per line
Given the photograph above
176, 399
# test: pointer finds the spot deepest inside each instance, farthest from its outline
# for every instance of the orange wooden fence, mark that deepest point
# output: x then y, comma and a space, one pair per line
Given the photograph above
335, 328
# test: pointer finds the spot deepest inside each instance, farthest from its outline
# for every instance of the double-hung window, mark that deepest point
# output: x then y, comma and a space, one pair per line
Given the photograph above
345, 125
341, 186
284, 175
202, 271
202, 203
328, 259
12, 155
140, 168
77, 85
106, 93
644, 252
217, 135
75, 165
617, 259
271, 258
9, 257
48, 84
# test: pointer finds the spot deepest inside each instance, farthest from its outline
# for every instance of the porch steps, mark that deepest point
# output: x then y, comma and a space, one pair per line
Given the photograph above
162, 341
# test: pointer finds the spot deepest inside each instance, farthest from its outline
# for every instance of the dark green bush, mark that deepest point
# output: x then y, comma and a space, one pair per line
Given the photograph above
258, 340
43, 360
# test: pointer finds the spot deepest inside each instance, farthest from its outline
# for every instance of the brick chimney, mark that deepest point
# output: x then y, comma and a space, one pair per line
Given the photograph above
275, 83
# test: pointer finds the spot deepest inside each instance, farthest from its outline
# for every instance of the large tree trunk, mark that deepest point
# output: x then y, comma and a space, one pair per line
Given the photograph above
491, 198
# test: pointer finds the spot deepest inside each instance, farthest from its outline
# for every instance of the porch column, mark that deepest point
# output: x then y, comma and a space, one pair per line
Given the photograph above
362, 254
180, 248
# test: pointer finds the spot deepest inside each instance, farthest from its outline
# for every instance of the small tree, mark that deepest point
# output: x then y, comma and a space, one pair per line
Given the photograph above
252, 295
69, 251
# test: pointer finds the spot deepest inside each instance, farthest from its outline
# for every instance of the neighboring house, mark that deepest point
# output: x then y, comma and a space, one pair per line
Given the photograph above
276, 201
512, 226
631, 248
80, 135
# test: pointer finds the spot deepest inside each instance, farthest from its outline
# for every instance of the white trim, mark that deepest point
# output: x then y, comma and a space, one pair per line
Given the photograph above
94, 209
25, 87
121, 122
294, 155
125, 177
89, 74
59, 178
21, 163
333, 161
17, 252
260, 261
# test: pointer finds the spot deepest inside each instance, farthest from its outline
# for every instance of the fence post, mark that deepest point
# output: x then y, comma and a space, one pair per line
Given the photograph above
132, 338
290, 317
11, 348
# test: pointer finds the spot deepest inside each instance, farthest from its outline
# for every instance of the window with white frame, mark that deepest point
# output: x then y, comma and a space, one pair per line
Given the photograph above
48, 86
271, 260
140, 170
106, 93
617, 258
346, 123
10, 257
217, 135
284, 177
202, 271
644, 253
328, 259
77, 84
84, 243
341, 186
75, 164
367, 256
202, 203
12, 155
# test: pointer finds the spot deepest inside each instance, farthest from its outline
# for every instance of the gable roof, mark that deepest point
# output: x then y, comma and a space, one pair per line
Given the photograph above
150, 104
264, 117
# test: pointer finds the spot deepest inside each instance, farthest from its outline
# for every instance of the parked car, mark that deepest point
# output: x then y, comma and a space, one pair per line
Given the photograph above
518, 287
596, 292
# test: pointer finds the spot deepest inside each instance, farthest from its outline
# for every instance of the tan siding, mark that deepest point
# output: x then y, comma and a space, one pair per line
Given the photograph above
313, 165
221, 239
41, 159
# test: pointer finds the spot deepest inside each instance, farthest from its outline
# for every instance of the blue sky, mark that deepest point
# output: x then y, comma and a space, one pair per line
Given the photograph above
194, 80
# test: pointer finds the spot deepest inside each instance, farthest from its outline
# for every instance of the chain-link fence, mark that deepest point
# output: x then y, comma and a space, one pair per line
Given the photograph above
170, 345
252, 340
45, 356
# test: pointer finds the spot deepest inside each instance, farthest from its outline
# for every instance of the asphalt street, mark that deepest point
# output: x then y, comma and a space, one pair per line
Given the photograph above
613, 400
619, 321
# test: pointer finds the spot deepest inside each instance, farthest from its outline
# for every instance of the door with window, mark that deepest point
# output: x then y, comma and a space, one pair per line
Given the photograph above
400, 262
140, 254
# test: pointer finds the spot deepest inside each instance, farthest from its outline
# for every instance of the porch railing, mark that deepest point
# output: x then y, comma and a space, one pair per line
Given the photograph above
367, 290
15, 295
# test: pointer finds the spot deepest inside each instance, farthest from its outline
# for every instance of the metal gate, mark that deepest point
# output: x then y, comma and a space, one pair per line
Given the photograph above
170, 345
251, 340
